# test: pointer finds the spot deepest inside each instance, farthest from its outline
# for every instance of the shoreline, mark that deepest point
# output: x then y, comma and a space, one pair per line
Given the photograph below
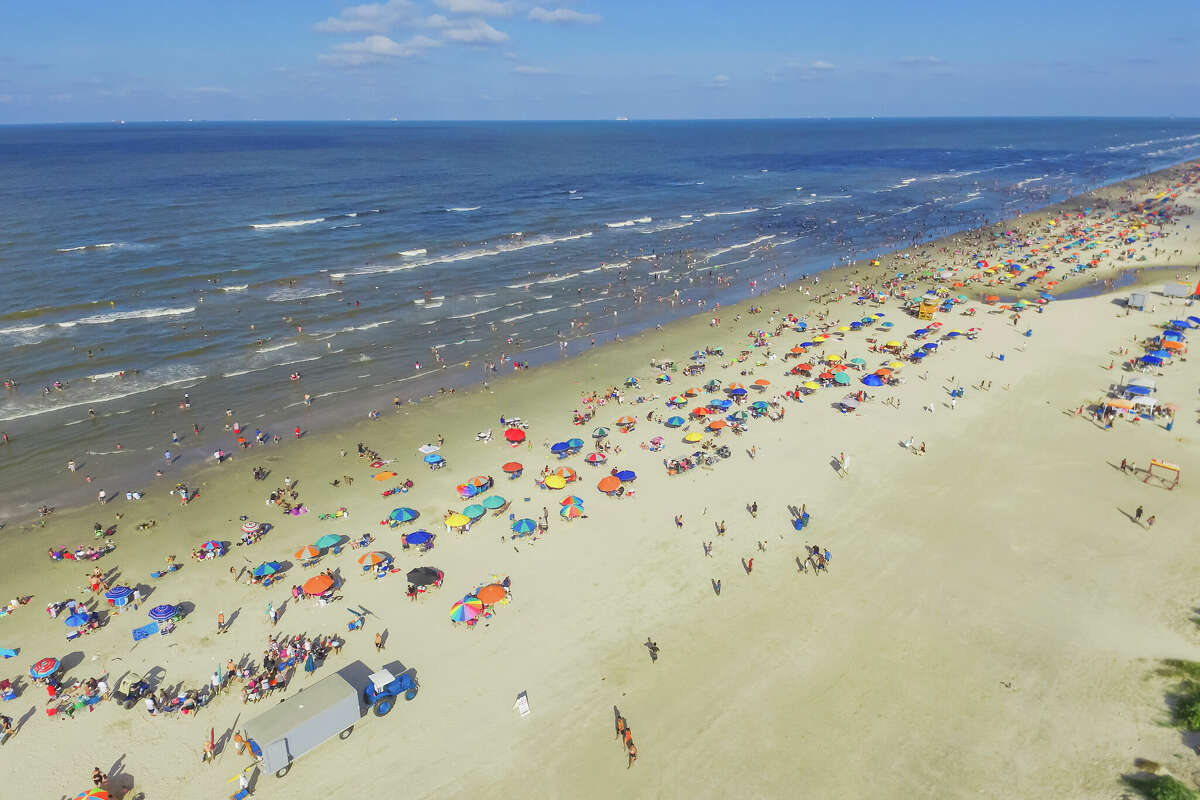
982, 563
195, 460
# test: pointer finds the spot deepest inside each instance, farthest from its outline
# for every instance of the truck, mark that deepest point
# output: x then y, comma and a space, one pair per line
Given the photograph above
330, 707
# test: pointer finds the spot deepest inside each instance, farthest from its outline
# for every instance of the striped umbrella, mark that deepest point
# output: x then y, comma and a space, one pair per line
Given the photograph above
466, 609
373, 558
307, 552
525, 525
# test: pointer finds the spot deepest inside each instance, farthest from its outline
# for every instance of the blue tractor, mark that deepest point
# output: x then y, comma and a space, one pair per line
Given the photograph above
384, 688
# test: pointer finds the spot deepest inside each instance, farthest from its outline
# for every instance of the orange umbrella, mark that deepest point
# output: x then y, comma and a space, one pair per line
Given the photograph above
883, 372
626, 421
512, 466
318, 584
762, 382
691, 392
492, 593
1118, 404
307, 552
699, 412
608, 484
733, 386
383, 476
798, 350
716, 425
373, 558
566, 473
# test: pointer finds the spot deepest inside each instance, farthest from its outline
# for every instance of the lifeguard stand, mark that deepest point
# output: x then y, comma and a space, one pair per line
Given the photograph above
1172, 470
927, 308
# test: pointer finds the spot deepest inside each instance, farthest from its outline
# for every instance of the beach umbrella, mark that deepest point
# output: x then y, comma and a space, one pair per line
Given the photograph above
570, 512
467, 609
894, 343
559, 447
720, 404
457, 521
674, 400
432, 458
329, 540
513, 467
841, 378
859, 361
738, 416
266, 568
712, 386
78, 619
317, 585
883, 372
575, 444
716, 424
609, 484
387, 476
250, 526
887, 325
92, 794
481, 481
692, 437
691, 391
918, 355
833, 358
474, 511
213, 545
525, 525
424, 576
699, 412
600, 432
812, 385
734, 386
403, 514
826, 375
554, 482
596, 458
571, 500
807, 344
738, 392
626, 475
417, 537
873, 380
373, 558
163, 612
44, 668
625, 422
803, 367
1160, 353
843, 329
566, 473
493, 502
675, 422
514, 435
896, 364
307, 552
118, 593
930, 346
759, 405
491, 594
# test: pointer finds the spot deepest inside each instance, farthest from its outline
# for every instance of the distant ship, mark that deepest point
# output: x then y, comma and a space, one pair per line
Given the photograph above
622, 119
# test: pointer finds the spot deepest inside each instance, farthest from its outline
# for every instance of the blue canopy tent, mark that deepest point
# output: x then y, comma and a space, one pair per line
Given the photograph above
1141, 390
1160, 353
1153, 361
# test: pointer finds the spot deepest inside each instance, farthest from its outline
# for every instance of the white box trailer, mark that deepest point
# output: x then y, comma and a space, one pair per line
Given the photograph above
1177, 290
298, 725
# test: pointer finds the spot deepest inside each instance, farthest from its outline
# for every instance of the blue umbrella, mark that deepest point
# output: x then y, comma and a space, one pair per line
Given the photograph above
930, 346
77, 619
855, 325
419, 537
737, 392
559, 447
575, 444
722, 404
626, 475
675, 422
873, 380
525, 525
163, 613
403, 514
807, 344
266, 568
917, 356
1194, 320
433, 458
887, 324
118, 593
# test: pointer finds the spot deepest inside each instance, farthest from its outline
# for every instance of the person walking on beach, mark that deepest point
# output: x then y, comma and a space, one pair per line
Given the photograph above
1137, 515
754, 509
707, 549
748, 565
1150, 521
220, 622
378, 641
652, 646
633, 754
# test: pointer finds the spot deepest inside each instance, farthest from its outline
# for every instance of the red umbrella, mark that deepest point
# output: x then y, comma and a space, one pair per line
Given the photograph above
515, 435
512, 466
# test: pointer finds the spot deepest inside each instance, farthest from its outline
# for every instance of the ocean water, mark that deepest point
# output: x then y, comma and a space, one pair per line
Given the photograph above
142, 262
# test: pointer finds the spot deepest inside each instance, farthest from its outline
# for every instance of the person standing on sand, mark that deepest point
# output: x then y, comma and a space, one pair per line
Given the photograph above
754, 509
633, 754
1150, 521
220, 622
1137, 515
378, 641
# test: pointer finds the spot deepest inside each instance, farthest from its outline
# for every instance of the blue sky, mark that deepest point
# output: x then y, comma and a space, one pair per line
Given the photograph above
588, 59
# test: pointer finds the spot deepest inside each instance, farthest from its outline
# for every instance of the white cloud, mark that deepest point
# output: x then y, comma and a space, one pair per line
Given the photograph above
563, 16
482, 8
378, 48
435, 21
718, 82
821, 66
921, 61
474, 31
529, 69
369, 18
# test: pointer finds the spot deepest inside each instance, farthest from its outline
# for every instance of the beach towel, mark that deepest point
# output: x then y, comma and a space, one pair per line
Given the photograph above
144, 631
6, 653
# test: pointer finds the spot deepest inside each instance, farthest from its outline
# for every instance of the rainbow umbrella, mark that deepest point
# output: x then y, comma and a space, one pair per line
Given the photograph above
466, 609
571, 512
572, 500
92, 794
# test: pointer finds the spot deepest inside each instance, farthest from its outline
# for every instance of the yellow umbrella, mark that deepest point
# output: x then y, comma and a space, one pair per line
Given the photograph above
834, 357
844, 328
811, 385
820, 338
893, 343
692, 437
457, 520
896, 364
555, 482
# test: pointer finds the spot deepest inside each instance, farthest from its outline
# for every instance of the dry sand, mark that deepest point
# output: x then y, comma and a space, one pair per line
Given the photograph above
985, 629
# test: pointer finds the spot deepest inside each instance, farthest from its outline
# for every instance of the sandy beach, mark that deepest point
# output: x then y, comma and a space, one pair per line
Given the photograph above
985, 627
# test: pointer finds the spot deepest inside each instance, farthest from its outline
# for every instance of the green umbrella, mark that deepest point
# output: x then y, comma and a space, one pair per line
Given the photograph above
474, 511
599, 433
857, 361
841, 377
494, 501
328, 540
